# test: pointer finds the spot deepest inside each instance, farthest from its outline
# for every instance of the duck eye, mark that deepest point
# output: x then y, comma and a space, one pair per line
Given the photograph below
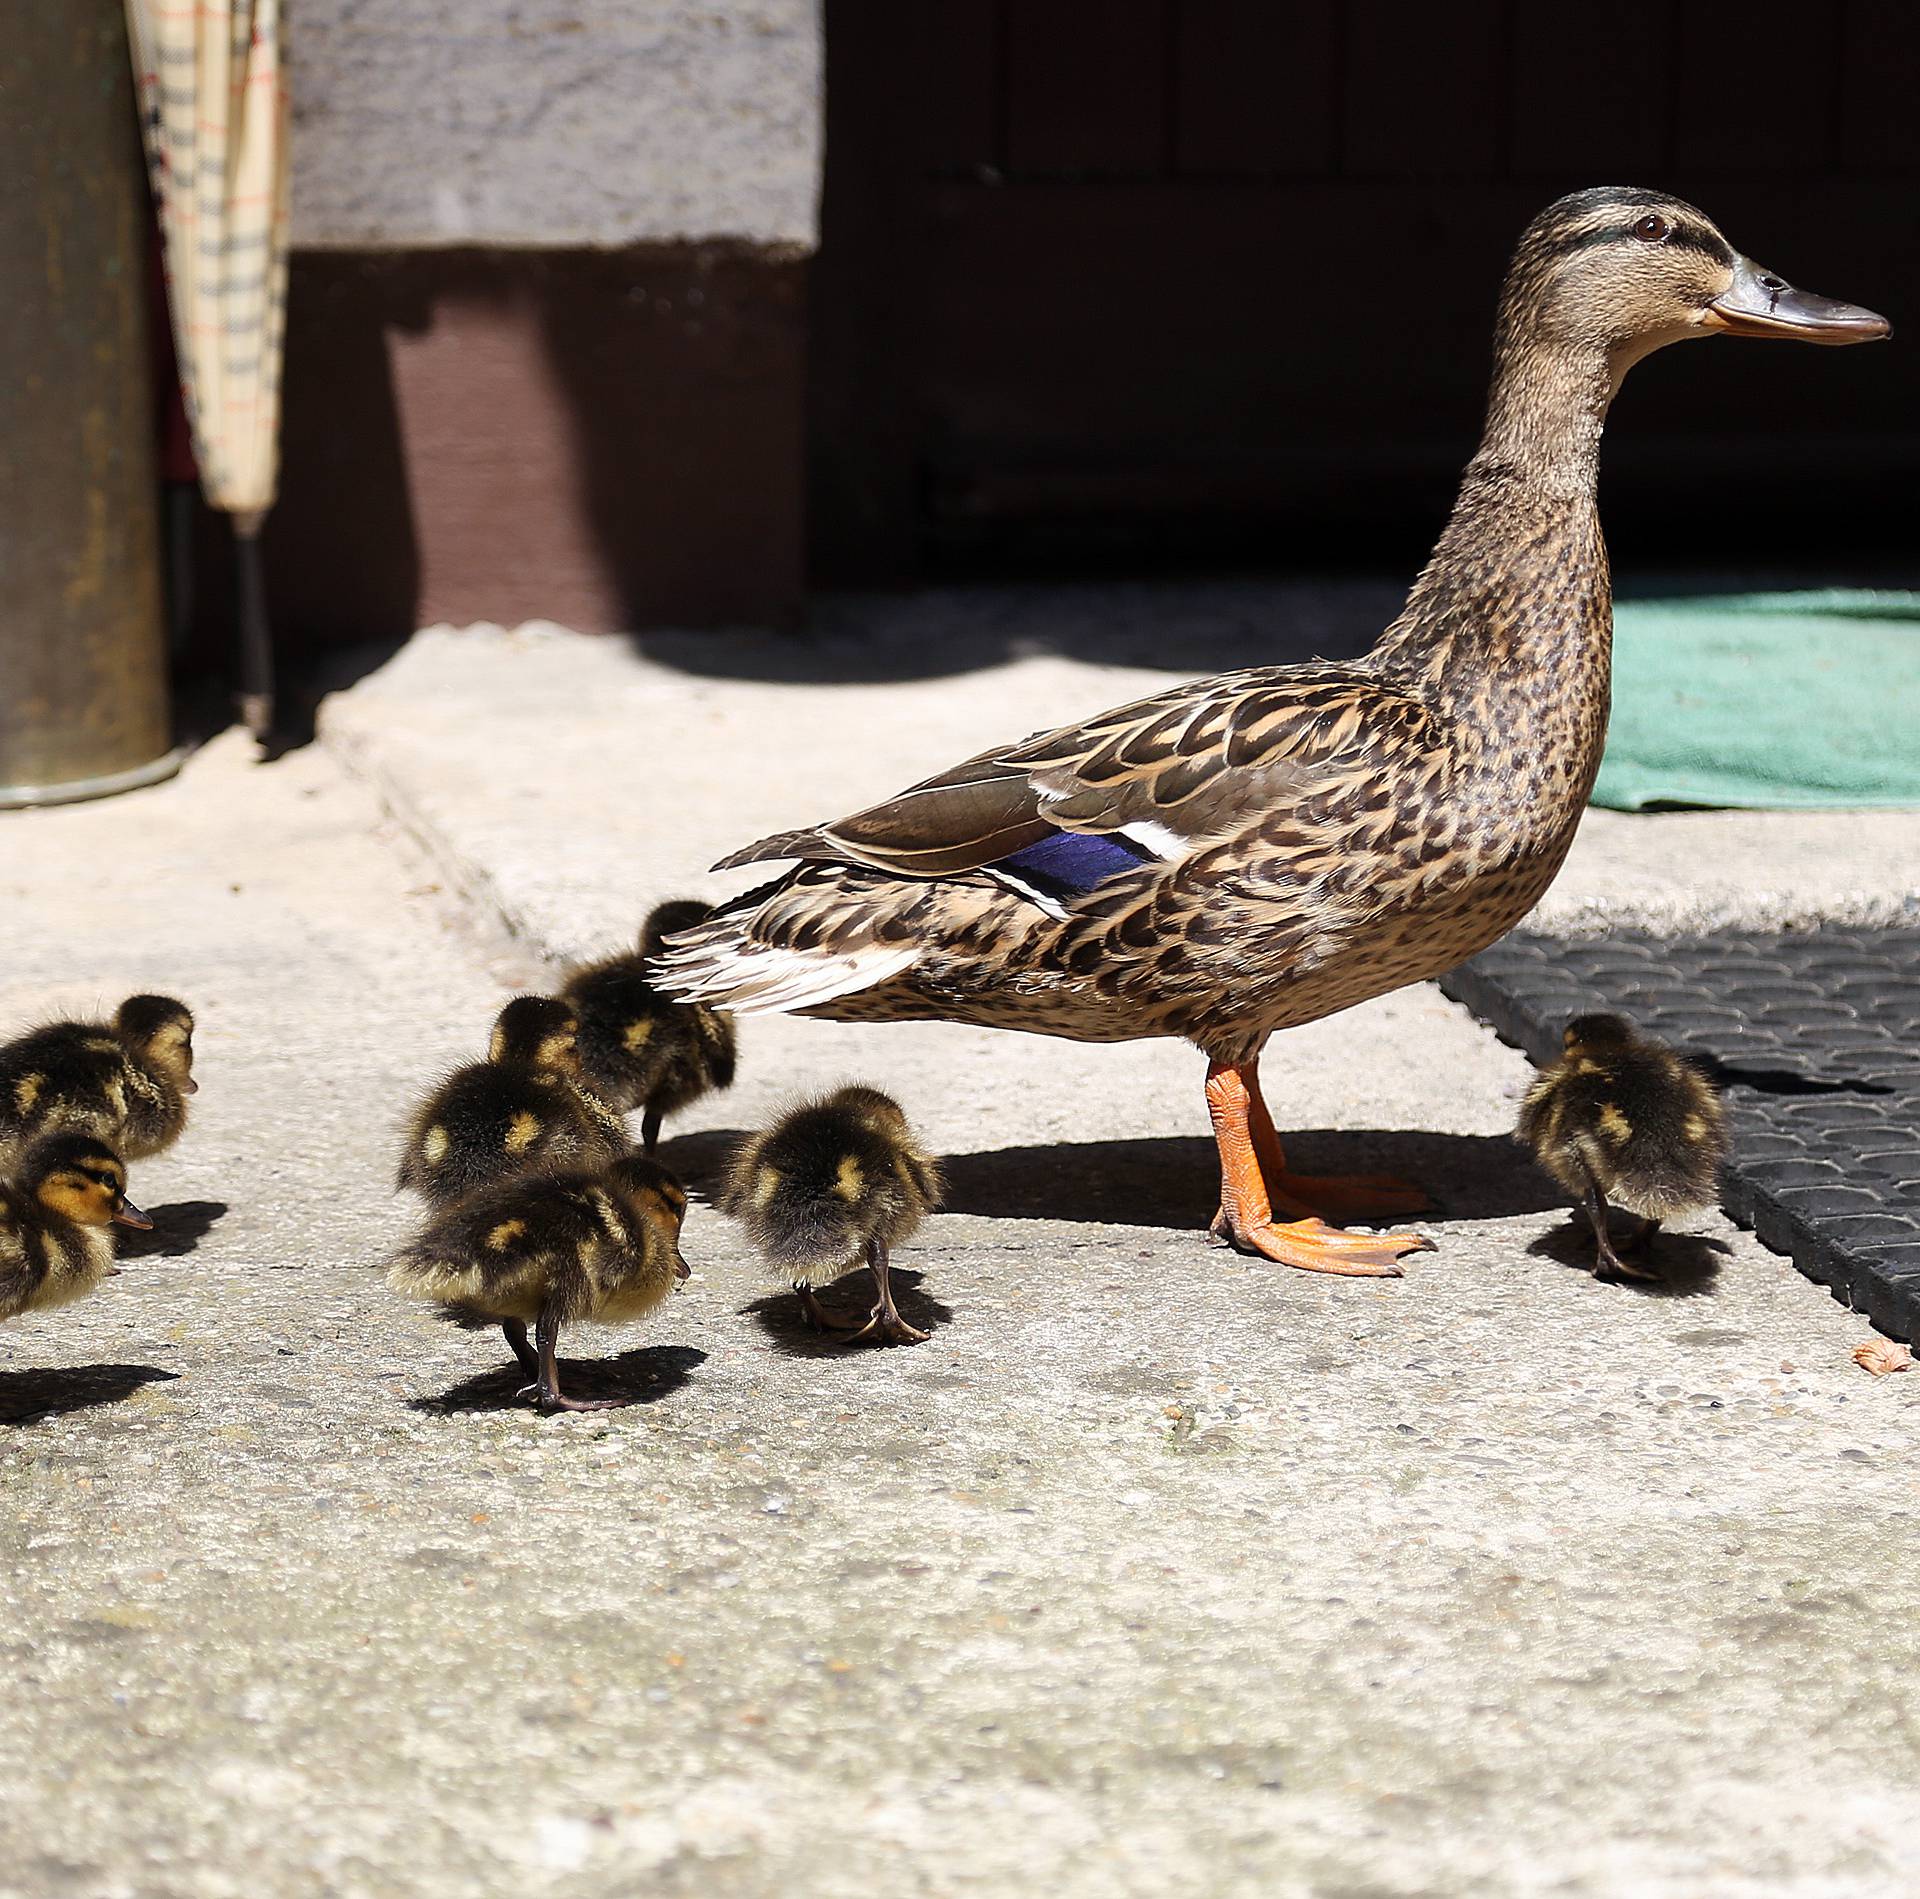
1651, 229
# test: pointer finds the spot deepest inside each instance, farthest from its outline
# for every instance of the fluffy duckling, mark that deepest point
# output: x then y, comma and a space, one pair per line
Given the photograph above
54, 1215
551, 1250
832, 1183
124, 1082
1622, 1117
524, 1107
638, 1047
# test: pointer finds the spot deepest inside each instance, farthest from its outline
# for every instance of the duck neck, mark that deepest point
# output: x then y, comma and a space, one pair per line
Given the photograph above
1517, 582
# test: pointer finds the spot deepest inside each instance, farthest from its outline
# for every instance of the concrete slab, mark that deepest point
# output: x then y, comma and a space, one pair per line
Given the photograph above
1154, 1569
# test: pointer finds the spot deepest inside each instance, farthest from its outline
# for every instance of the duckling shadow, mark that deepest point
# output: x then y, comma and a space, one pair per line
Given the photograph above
699, 1159
47, 1392
778, 1314
178, 1228
1172, 1180
644, 1375
1782, 1081
1688, 1263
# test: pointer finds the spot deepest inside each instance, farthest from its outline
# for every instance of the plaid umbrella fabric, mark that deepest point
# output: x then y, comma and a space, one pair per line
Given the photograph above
214, 109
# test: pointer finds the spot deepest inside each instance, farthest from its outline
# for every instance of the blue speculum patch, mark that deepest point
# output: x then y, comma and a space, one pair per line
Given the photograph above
1070, 863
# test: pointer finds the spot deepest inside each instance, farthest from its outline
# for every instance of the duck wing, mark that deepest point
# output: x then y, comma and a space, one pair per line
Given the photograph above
1167, 773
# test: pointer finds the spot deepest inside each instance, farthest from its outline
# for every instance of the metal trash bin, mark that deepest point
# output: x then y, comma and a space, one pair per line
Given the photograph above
83, 683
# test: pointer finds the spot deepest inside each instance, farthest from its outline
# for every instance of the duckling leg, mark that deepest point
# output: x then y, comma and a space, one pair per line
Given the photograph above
816, 1315
516, 1335
1609, 1264
546, 1386
650, 1129
884, 1321
1247, 1209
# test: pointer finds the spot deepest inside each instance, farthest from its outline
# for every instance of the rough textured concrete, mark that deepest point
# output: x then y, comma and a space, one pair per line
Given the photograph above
532, 122
1155, 1570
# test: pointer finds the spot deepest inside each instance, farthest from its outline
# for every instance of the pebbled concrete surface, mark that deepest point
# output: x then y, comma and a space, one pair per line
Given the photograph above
1155, 1570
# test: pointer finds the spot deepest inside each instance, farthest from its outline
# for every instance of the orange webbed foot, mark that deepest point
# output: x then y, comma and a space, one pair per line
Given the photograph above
1315, 1247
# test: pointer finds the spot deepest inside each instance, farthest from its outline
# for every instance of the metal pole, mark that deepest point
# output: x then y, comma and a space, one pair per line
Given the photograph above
83, 689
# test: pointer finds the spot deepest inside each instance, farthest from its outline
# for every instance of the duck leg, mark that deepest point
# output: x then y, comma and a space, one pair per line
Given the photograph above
1608, 1264
516, 1336
816, 1315
546, 1385
1247, 1207
650, 1129
884, 1321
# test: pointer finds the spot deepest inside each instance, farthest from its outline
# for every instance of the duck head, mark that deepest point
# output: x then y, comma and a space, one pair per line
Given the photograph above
81, 1179
1622, 272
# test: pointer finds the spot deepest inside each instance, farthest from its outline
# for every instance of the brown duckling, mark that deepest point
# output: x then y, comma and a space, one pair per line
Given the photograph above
124, 1082
524, 1107
638, 1047
54, 1215
832, 1184
551, 1250
1622, 1117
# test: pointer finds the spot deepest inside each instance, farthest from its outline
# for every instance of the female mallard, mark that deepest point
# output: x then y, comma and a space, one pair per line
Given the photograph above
1253, 851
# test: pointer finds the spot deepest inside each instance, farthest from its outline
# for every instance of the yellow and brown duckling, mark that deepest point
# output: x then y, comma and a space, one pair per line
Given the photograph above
550, 1250
1622, 1118
55, 1212
834, 1184
124, 1082
638, 1047
524, 1107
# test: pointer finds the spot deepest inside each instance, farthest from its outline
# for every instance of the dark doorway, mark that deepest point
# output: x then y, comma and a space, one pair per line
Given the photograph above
1124, 285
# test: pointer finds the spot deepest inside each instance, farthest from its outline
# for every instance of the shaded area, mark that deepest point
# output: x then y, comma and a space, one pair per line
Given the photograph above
1783, 1081
643, 1375
849, 1296
178, 1227
1173, 1180
51, 1392
1688, 1263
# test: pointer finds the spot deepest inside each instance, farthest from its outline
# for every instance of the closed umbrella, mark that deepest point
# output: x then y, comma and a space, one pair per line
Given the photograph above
215, 111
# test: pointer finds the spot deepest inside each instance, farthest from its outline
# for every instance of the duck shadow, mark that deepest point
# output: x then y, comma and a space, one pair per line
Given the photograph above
699, 1159
178, 1228
50, 1392
1782, 1081
643, 1375
1688, 1263
1172, 1180
850, 1296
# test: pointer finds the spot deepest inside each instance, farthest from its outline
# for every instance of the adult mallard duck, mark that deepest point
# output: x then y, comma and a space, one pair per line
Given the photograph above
1252, 851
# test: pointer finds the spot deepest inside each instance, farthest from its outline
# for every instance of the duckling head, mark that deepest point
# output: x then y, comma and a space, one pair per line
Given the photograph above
1619, 272
81, 1179
160, 1030
659, 1196
873, 1109
664, 919
536, 1032
1597, 1035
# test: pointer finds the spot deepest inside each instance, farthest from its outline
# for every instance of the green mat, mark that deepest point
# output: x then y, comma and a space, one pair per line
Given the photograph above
1768, 701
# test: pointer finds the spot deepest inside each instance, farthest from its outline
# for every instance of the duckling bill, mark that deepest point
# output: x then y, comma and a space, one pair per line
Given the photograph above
123, 1082
831, 1185
55, 1246
638, 1047
524, 1107
550, 1251
1622, 1118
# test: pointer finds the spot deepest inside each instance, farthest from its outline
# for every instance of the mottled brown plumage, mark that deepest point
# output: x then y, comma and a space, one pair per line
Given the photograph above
1623, 1118
1253, 851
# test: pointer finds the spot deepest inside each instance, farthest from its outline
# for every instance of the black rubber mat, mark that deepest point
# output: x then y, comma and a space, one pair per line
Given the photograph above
1814, 1037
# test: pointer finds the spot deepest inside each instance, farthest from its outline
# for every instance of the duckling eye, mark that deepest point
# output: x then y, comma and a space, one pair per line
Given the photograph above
1651, 228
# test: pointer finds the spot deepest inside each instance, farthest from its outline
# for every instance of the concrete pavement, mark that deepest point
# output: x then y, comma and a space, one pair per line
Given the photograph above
1155, 1569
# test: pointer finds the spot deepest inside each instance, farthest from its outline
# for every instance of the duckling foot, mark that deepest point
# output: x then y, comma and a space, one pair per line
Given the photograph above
1607, 1263
817, 1316
884, 1321
545, 1389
